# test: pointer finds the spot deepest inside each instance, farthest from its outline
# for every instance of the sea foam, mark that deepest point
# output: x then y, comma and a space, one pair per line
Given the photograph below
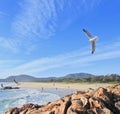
18, 97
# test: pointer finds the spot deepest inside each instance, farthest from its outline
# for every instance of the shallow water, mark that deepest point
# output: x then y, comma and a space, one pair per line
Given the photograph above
18, 97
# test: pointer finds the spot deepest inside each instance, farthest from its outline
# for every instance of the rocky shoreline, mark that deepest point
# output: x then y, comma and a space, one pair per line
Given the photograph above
98, 101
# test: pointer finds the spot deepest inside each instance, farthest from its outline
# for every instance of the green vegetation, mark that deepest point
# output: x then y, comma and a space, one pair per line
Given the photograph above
113, 78
70, 78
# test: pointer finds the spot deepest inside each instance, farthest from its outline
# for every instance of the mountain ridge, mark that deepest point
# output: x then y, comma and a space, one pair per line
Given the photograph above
28, 78
74, 77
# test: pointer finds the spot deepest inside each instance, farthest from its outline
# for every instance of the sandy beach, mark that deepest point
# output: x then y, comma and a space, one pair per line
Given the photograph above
74, 86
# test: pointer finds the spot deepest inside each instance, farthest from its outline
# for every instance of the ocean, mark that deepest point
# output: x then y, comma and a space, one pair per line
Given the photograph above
18, 97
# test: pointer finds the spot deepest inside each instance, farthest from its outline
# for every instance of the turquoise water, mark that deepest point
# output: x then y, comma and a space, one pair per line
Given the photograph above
18, 97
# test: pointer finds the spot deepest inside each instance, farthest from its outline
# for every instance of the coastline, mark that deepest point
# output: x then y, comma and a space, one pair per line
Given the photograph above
95, 101
58, 85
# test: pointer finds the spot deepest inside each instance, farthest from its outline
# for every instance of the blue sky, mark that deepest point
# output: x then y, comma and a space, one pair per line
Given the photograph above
44, 38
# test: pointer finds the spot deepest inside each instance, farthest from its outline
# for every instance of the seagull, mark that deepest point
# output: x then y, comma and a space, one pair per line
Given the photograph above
92, 39
16, 82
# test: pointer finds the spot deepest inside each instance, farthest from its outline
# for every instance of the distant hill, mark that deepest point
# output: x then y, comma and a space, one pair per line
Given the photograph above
26, 78
21, 78
78, 75
75, 77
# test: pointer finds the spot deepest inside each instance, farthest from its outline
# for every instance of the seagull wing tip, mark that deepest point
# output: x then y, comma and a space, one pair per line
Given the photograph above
83, 29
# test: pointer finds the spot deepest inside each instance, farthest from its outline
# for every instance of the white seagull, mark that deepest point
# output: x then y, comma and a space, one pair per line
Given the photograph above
92, 39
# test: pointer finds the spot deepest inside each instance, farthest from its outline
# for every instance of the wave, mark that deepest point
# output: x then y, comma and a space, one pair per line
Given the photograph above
13, 98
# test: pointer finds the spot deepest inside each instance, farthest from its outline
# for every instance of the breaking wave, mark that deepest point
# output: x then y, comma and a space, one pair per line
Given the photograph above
18, 97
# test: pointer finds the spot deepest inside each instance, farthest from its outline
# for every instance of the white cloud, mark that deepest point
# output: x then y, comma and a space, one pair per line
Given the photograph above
8, 43
5, 64
73, 59
39, 19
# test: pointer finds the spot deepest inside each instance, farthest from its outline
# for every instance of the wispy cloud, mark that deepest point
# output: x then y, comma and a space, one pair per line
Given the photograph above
90, 4
76, 59
39, 19
3, 13
9, 44
5, 64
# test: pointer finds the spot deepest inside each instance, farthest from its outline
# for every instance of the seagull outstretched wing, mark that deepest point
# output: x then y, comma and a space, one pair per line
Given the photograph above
87, 33
93, 46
